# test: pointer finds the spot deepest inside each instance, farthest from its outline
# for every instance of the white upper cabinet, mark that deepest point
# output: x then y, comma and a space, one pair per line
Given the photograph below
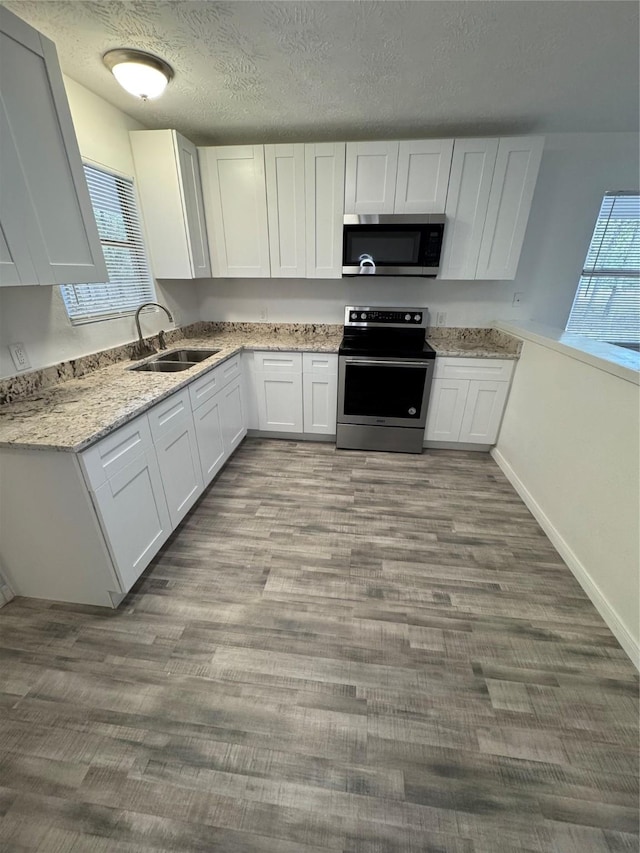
467, 199
514, 180
423, 175
370, 179
324, 200
235, 201
170, 191
397, 177
284, 167
49, 234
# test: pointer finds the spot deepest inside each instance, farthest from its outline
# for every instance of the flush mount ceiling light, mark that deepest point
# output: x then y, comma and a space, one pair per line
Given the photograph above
139, 73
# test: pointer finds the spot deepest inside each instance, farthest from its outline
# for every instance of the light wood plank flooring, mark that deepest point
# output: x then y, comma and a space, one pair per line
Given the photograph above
337, 651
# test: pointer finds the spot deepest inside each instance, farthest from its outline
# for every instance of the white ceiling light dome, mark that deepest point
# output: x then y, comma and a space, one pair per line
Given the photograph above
139, 73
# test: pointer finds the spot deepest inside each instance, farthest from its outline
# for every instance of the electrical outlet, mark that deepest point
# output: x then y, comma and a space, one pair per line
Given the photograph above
441, 318
264, 314
19, 356
517, 298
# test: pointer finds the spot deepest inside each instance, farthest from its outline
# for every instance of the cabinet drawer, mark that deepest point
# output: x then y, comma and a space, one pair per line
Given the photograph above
320, 362
168, 415
204, 388
116, 451
275, 362
496, 369
229, 370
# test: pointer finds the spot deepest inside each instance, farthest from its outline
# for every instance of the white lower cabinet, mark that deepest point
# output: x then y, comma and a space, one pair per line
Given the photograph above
296, 392
467, 399
208, 424
320, 392
234, 426
134, 516
123, 475
174, 437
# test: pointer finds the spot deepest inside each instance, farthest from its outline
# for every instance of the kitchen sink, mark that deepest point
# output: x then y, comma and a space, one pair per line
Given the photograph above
176, 360
191, 355
164, 366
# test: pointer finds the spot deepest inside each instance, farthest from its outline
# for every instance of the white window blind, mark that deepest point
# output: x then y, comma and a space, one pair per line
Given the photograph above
607, 302
130, 283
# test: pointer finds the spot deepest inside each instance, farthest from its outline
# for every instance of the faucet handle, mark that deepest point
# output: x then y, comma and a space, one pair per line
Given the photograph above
162, 344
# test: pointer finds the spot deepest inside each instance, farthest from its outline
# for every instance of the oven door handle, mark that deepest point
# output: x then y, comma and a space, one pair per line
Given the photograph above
386, 362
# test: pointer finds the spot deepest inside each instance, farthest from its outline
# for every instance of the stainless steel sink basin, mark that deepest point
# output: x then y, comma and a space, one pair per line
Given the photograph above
164, 366
191, 355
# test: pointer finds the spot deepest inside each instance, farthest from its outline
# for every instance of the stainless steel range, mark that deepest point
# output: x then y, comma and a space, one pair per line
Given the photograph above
385, 369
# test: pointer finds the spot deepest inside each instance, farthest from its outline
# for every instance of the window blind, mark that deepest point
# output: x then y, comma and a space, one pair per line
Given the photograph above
130, 283
607, 302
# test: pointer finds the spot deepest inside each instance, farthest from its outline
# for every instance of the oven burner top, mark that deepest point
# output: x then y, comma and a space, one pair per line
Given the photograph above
385, 333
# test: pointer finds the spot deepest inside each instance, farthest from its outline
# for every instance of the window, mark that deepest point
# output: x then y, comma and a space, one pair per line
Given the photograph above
607, 303
130, 283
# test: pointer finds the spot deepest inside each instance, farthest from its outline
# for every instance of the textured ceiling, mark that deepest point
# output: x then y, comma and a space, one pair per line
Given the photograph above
271, 71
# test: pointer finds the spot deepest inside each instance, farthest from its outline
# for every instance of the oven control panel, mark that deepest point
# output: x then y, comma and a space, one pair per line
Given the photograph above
394, 317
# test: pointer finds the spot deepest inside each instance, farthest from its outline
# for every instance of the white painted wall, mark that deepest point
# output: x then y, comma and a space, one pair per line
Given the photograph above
36, 316
569, 443
576, 170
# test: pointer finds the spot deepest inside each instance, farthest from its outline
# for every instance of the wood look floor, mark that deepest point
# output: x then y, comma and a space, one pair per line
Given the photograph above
337, 651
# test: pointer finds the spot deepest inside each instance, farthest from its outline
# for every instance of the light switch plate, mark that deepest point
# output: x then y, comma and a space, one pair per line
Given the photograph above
19, 356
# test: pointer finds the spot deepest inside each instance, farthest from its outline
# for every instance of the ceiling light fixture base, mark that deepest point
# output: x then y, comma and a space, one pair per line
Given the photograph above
139, 73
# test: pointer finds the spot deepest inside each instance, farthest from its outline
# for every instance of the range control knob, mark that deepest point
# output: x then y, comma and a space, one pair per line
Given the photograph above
407, 317
363, 316
354, 316
418, 317
412, 411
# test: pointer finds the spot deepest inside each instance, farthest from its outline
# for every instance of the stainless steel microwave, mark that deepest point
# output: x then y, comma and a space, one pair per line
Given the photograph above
392, 244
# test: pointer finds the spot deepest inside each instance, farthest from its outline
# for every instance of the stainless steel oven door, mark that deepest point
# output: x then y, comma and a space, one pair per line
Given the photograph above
384, 391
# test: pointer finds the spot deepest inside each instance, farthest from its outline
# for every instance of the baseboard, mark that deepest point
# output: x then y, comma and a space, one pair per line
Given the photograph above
292, 436
583, 577
457, 445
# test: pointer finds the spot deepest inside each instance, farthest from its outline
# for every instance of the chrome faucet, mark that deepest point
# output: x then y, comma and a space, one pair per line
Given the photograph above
141, 348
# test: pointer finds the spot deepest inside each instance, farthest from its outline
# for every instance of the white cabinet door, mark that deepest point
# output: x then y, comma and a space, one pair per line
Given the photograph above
17, 220
170, 192
234, 427
446, 409
483, 411
235, 201
370, 177
279, 401
467, 199
423, 175
324, 199
514, 181
208, 423
179, 461
284, 167
193, 206
134, 516
320, 403
60, 232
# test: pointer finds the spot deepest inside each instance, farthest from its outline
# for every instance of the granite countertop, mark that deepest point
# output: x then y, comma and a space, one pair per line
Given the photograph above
74, 404
76, 413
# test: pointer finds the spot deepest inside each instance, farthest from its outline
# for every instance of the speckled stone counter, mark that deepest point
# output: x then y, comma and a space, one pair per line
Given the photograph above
77, 412
473, 343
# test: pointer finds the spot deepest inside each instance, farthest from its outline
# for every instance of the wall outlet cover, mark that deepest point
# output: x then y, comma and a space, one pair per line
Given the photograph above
441, 318
19, 356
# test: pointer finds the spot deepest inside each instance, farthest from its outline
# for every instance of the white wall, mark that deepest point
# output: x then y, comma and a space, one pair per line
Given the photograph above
569, 442
36, 315
576, 170
323, 300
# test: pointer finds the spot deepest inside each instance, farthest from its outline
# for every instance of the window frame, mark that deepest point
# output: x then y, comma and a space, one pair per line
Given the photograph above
136, 255
593, 327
